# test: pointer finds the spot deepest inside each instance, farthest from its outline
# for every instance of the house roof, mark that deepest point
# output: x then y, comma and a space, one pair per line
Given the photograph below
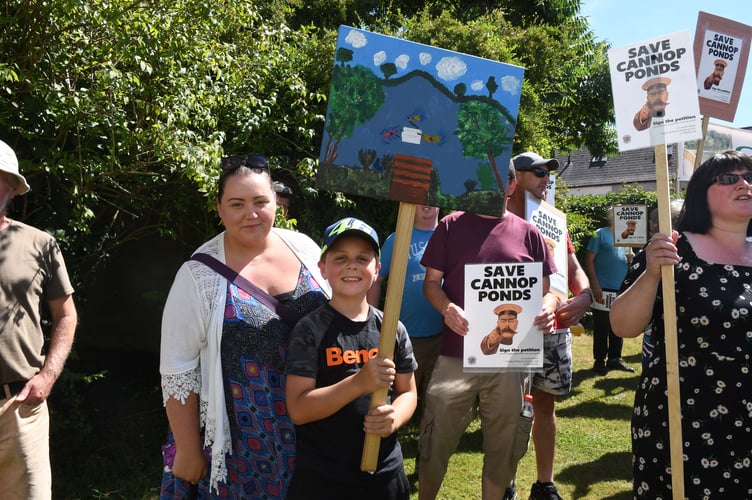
580, 170
582, 173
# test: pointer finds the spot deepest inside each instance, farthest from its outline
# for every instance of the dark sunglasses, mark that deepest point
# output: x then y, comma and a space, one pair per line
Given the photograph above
539, 172
729, 179
258, 163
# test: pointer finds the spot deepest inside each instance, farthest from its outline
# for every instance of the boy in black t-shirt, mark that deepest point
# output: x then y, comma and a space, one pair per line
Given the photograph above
333, 367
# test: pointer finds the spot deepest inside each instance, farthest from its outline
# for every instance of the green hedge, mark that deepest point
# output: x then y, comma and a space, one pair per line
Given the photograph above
588, 212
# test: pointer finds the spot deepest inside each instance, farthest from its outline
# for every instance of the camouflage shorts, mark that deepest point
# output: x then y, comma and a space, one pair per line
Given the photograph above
556, 376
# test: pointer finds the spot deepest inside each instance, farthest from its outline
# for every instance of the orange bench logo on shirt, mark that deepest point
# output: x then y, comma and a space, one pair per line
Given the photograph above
336, 356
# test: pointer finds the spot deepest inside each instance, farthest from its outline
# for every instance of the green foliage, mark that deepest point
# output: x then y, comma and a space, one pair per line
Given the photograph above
68, 401
113, 450
280, 221
486, 176
354, 180
484, 132
355, 97
564, 106
588, 212
120, 111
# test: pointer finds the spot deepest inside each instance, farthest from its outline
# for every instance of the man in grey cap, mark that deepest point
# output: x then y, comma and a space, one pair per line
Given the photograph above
533, 173
32, 273
284, 196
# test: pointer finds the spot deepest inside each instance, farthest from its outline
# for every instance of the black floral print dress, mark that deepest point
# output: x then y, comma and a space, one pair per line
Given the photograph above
714, 331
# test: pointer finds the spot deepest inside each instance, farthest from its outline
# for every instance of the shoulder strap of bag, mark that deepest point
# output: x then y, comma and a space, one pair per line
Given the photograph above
285, 313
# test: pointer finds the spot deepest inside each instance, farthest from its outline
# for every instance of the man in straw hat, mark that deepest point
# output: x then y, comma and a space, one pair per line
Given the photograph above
32, 273
655, 106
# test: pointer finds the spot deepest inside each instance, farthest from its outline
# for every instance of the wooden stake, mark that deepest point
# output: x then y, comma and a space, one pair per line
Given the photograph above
392, 302
669, 318
701, 142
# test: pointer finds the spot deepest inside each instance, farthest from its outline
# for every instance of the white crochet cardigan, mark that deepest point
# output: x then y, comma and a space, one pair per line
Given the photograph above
191, 334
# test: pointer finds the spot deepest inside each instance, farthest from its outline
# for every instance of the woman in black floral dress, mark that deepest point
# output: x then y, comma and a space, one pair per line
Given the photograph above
713, 283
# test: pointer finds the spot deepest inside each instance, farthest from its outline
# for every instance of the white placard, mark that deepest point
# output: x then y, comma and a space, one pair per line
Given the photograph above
630, 225
608, 299
654, 85
552, 223
506, 295
551, 190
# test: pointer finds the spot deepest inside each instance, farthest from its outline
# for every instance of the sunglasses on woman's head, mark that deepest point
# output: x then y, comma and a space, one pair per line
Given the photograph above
729, 179
539, 172
257, 163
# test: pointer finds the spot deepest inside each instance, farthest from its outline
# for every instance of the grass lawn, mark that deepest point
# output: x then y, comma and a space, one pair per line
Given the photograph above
593, 456
115, 453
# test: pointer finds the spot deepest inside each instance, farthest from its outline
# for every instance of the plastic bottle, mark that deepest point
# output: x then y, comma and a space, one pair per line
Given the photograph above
527, 406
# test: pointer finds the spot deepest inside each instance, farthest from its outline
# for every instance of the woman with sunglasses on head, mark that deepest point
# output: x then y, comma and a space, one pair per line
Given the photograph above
224, 345
712, 261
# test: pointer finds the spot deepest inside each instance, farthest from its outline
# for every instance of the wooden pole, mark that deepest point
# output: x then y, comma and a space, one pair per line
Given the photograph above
669, 318
392, 302
701, 142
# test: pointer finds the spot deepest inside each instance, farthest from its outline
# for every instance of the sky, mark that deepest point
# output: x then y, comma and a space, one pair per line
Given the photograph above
622, 22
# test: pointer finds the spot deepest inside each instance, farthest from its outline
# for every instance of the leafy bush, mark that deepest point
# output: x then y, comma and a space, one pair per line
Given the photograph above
588, 212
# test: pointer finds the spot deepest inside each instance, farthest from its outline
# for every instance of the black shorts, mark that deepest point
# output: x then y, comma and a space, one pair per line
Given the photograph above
310, 485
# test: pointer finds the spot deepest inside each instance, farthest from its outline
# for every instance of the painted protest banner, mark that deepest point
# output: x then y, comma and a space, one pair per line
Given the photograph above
501, 302
552, 223
630, 225
655, 92
721, 52
418, 124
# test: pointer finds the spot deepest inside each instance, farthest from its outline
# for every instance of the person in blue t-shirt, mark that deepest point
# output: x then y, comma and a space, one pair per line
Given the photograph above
606, 266
423, 322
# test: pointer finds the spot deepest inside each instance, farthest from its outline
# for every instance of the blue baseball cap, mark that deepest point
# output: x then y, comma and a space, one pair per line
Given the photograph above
350, 226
